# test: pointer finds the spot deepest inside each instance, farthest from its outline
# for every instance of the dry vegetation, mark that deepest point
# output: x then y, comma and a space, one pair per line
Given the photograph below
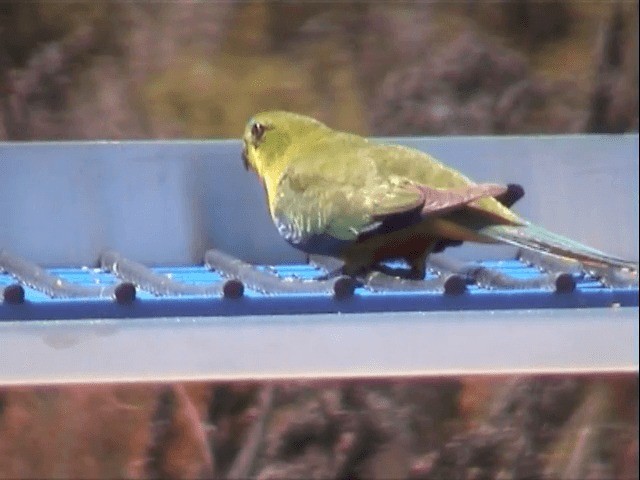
199, 69
194, 69
481, 428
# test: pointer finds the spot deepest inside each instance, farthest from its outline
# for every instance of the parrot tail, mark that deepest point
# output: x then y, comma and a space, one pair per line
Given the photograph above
538, 239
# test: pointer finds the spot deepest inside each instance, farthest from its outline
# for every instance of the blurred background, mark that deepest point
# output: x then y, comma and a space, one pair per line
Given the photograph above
181, 69
72, 69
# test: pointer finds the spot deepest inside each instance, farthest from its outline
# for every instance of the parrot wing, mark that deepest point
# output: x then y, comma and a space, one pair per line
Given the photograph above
439, 201
426, 170
312, 202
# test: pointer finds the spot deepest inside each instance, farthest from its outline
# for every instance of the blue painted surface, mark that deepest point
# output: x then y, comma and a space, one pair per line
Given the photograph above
589, 293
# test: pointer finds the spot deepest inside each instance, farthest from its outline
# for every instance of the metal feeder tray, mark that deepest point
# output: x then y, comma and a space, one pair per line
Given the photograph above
127, 261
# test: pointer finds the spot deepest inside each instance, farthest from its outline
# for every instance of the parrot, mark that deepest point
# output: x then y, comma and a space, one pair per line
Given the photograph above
342, 195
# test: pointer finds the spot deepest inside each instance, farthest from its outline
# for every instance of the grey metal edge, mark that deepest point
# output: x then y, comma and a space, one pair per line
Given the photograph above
320, 346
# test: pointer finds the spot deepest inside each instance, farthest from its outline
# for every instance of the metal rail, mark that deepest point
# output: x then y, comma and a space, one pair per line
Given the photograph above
75, 294
270, 284
33, 276
561, 282
158, 284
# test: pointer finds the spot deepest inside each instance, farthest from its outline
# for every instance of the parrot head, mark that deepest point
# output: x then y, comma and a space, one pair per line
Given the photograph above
268, 139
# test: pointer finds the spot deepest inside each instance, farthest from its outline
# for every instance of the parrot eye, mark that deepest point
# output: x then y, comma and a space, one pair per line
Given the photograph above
257, 131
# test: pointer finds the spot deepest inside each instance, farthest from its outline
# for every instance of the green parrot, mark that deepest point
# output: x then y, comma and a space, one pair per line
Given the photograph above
338, 194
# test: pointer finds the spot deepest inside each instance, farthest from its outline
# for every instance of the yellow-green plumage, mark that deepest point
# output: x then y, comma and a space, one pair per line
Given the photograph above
340, 194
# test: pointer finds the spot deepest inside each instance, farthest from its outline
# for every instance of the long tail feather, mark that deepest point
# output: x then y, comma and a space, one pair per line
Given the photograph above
536, 238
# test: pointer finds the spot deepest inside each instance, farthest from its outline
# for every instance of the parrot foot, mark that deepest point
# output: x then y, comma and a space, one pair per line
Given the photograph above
417, 268
361, 274
332, 266
403, 273
416, 272
331, 275
418, 264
